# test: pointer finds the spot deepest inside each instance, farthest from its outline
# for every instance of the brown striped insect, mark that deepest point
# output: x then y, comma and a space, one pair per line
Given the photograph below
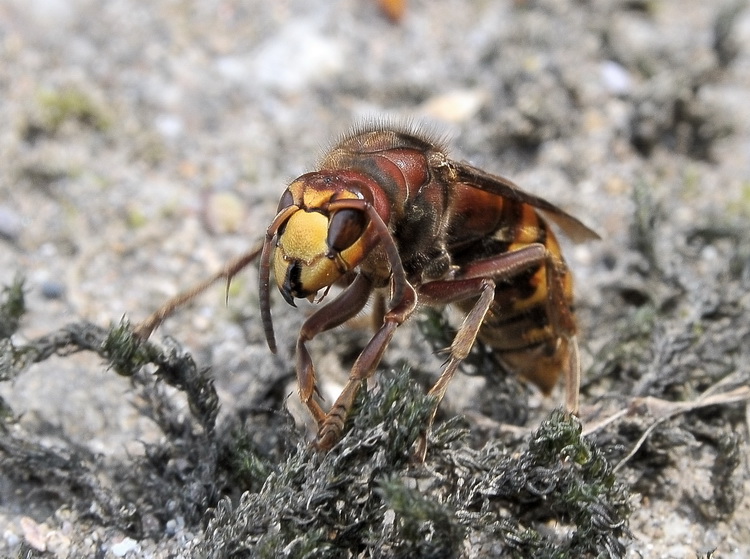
388, 214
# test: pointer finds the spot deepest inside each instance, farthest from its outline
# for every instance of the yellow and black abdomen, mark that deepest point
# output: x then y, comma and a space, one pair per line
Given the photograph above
521, 325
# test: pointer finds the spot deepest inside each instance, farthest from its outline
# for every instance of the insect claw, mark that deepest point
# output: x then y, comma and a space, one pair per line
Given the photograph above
287, 295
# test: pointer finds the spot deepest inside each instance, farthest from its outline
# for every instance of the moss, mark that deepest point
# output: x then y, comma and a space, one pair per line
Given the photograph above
425, 526
127, 354
368, 498
149, 487
643, 226
135, 217
561, 479
257, 489
12, 308
246, 461
71, 104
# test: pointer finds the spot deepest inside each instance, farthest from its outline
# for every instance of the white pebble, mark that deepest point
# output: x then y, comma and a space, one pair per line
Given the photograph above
616, 78
125, 546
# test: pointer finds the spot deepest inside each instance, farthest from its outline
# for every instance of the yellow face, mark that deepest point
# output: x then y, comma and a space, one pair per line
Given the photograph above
315, 248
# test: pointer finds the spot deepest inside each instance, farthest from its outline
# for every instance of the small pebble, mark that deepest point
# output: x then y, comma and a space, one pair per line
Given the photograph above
34, 534
225, 212
125, 546
11, 539
616, 78
11, 223
169, 125
455, 106
52, 289
297, 57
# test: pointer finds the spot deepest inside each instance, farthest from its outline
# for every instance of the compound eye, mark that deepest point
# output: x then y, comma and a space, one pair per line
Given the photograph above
287, 199
344, 228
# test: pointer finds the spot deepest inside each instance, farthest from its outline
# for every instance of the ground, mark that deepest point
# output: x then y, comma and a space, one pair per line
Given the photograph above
143, 145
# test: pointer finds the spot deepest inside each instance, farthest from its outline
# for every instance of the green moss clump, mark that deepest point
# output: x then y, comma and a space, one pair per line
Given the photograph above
71, 104
258, 489
368, 497
12, 308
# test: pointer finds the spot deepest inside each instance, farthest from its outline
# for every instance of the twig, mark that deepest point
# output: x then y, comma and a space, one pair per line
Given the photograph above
662, 410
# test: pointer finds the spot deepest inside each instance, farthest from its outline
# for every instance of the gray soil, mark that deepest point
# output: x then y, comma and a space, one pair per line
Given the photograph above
144, 144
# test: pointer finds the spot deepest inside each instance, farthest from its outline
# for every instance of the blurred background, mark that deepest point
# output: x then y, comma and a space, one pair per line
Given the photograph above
144, 144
